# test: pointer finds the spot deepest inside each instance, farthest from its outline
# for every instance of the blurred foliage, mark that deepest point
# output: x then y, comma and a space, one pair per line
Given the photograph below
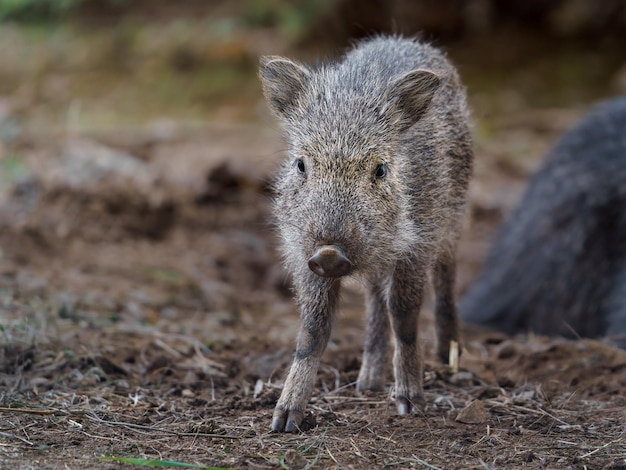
29, 10
13, 168
124, 63
32, 9
291, 17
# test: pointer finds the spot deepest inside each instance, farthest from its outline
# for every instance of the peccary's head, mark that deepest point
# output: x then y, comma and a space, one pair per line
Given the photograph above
344, 192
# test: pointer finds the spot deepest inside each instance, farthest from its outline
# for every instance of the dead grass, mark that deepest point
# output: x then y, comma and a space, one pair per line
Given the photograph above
58, 410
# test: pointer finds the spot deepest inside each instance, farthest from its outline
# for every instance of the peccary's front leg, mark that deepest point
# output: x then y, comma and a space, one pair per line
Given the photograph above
446, 317
405, 300
317, 299
376, 347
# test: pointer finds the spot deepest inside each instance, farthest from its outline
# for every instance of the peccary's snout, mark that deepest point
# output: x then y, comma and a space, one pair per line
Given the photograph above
330, 261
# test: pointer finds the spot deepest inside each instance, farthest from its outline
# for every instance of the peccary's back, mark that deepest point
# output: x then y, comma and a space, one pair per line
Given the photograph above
374, 62
559, 266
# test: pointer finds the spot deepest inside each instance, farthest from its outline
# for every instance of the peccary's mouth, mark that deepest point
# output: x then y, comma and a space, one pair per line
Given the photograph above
330, 261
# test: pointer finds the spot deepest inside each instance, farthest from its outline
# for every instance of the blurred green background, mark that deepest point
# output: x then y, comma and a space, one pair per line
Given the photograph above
102, 65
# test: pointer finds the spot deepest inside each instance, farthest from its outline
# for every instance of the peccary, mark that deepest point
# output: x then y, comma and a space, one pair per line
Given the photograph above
374, 186
559, 265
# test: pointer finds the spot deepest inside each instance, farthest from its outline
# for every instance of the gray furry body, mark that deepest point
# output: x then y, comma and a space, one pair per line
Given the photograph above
559, 264
378, 167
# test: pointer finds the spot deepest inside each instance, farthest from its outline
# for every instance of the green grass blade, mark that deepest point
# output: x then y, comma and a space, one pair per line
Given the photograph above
159, 463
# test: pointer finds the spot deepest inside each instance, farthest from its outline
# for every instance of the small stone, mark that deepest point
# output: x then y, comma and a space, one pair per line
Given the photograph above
473, 413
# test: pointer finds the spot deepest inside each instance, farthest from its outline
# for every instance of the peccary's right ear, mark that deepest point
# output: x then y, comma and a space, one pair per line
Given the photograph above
283, 81
412, 94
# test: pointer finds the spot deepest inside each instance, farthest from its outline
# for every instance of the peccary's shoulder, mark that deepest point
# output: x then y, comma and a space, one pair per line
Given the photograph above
587, 167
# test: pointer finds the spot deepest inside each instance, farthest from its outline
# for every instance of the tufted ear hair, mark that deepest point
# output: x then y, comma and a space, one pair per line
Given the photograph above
410, 95
283, 82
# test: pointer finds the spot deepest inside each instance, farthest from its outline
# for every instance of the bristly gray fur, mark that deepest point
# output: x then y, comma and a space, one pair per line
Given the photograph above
559, 265
394, 102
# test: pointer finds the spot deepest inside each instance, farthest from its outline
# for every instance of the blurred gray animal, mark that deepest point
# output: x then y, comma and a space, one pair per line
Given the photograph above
374, 186
559, 266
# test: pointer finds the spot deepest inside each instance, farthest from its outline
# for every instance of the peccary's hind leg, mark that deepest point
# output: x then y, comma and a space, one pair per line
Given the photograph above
405, 300
446, 317
376, 348
317, 298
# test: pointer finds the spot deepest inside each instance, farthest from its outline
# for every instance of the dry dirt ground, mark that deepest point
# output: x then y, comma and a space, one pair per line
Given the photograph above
144, 314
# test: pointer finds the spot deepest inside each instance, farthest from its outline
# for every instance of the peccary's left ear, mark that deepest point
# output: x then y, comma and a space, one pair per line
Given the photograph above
283, 82
412, 94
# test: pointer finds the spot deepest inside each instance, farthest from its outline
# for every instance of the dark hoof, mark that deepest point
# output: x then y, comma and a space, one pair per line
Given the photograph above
406, 405
286, 420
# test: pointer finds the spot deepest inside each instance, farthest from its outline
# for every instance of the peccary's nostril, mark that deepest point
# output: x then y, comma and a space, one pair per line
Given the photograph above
330, 261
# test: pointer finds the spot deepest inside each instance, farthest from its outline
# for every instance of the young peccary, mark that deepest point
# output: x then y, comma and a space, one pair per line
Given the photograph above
374, 186
559, 266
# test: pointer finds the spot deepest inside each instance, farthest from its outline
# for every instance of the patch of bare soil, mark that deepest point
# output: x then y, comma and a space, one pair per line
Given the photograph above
144, 314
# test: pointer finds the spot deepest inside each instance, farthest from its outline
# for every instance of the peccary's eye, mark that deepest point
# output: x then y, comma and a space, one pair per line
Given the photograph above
381, 171
300, 166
